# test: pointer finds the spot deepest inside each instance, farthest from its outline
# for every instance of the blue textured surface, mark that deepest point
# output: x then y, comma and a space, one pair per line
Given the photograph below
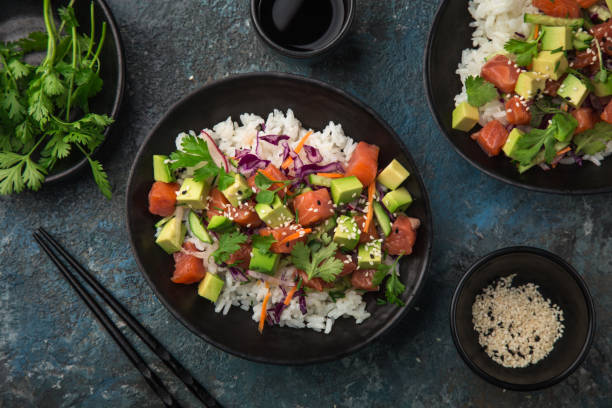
52, 353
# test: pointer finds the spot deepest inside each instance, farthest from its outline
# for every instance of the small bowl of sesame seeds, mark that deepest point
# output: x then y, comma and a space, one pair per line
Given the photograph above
522, 318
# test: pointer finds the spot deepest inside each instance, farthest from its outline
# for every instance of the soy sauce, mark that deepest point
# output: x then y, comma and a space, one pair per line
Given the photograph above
302, 25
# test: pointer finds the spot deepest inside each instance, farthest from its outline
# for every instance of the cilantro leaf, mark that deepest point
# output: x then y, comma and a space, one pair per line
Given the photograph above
394, 288
479, 91
594, 140
382, 271
262, 182
317, 264
18, 69
262, 242
100, 177
88, 85
561, 127
265, 197
225, 179
524, 50
10, 102
195, 153
35, 41
228, 244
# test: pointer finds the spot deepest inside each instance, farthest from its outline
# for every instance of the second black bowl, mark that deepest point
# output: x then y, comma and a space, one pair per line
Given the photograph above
450, 34
557, 281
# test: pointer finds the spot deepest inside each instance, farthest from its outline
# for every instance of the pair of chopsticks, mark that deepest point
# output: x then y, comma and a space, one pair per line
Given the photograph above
62, 259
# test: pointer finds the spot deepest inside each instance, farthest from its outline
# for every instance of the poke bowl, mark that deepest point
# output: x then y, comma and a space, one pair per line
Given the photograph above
459, 47
263, 304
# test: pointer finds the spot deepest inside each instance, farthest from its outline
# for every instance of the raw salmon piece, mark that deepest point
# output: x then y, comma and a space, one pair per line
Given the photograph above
403, 236
279, 234
187, 268
586, 119
368, 235
218, 204
162, 198
362, 279
516, 112
314, 283
492, 137
313, 206
363, 163
241, 258
501, 72
558, 8
349, 264
245, 215
273, 173
606, 115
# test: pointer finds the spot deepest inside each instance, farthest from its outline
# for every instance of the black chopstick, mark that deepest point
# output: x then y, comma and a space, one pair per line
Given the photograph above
46, 241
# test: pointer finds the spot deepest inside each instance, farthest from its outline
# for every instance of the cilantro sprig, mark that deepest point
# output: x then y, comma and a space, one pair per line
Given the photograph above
594, 140
319, 263
479, 91
394, 287
263, 183
524, 51
228, 244
44, 110
262, 242
195, 153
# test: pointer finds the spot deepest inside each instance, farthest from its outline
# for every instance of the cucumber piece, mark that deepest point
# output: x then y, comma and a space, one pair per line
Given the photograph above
161, 171
552, 21
327, 225
219, 223
197, 228
305, 190
319, 180
163, 221
382, 218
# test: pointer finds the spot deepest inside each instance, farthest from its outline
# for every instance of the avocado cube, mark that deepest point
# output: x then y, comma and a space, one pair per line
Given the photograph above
264, 262
327, 225
573, 90
171, 236
238, 191
552, 65
602, 89
369, 255
465, 117
345, 189
530, 84
161, 171
382, 218
394, 174
219, 223
193, 193
510, 145
275, 214
319, 180
210, 287
557, 37
397, 200
346, 233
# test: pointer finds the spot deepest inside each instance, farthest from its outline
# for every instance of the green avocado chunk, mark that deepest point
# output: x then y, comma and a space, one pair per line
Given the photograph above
219, 223
264, 262
275, 214
530, 84
161, 171
382, 218
210, 287
238, 191
171, 236
465, 117
345, 189
346, 233
193, 193
557, 37
197, 228
510, 145
573, 90
319, 180
393, 175
397, 200
553, 65
602, 89
369, 255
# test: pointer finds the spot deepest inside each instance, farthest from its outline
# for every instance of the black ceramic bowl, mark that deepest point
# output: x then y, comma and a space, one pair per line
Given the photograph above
312, 55
315, 104
559, 282
21, 17
449, 35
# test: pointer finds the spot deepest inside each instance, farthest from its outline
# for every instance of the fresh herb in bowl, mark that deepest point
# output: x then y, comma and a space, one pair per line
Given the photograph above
44, 109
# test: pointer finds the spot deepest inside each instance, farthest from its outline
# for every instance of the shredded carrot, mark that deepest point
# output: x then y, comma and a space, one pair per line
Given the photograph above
563, 151
296, 235
368, 220
264, 312
331, 175
290, 295
536, 32
564, 107
298, 149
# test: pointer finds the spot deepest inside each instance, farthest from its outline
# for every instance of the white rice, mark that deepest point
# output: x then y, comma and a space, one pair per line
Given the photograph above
334, 145
495, 22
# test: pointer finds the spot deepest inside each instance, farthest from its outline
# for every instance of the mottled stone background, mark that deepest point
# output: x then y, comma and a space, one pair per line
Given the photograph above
52, 353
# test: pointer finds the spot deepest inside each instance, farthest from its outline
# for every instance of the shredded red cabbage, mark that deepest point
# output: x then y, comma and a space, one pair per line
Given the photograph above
238, 275
249, 163
275, 312
577, 158
312, 154
286, 149
257, 150
307, 169
302, 301
274, 139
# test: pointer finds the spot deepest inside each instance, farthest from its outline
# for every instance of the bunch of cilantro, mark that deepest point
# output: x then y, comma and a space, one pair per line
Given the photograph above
44, 109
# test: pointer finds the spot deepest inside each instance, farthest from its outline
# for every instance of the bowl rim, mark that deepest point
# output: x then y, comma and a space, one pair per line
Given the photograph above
302, 55
427, 82
119, 91
571, 272
428, 222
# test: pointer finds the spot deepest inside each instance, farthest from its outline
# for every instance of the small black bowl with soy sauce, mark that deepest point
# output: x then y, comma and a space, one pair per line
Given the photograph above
303, 30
